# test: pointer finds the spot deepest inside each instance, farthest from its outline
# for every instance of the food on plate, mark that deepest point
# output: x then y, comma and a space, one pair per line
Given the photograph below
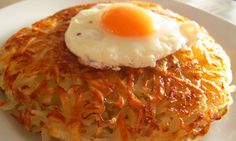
118, 71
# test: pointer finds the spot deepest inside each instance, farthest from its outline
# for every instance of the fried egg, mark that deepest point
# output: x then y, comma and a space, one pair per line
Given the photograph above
122, 34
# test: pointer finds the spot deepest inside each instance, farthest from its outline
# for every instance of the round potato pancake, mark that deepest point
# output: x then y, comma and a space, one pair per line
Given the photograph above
48, 90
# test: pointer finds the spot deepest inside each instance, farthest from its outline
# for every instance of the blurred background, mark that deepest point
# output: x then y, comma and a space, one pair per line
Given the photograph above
4, 3
223, 8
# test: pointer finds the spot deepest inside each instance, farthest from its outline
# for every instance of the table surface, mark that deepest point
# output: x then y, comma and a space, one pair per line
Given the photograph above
225, 9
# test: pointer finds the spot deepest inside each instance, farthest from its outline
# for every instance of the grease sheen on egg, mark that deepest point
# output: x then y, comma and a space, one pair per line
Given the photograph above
122, 34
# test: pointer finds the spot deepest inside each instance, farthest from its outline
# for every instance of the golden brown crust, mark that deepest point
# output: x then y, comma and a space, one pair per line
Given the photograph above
53, 93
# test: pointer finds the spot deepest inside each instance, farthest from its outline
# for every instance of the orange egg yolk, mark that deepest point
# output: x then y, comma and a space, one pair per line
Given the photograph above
127, 21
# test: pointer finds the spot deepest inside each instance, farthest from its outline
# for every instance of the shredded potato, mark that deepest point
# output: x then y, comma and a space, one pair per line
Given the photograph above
47, 90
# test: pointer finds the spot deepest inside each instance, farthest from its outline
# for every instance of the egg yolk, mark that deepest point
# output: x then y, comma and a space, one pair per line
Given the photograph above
127, 21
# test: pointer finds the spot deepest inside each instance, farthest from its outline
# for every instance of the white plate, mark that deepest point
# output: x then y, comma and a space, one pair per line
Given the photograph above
25, 13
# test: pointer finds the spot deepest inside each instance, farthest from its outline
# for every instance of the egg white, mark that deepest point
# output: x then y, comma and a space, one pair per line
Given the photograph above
87, 39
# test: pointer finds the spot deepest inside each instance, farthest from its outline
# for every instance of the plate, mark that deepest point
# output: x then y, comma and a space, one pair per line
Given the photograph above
25, 13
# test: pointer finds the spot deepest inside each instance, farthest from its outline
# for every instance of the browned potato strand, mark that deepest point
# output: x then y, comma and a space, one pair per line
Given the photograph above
47, 90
